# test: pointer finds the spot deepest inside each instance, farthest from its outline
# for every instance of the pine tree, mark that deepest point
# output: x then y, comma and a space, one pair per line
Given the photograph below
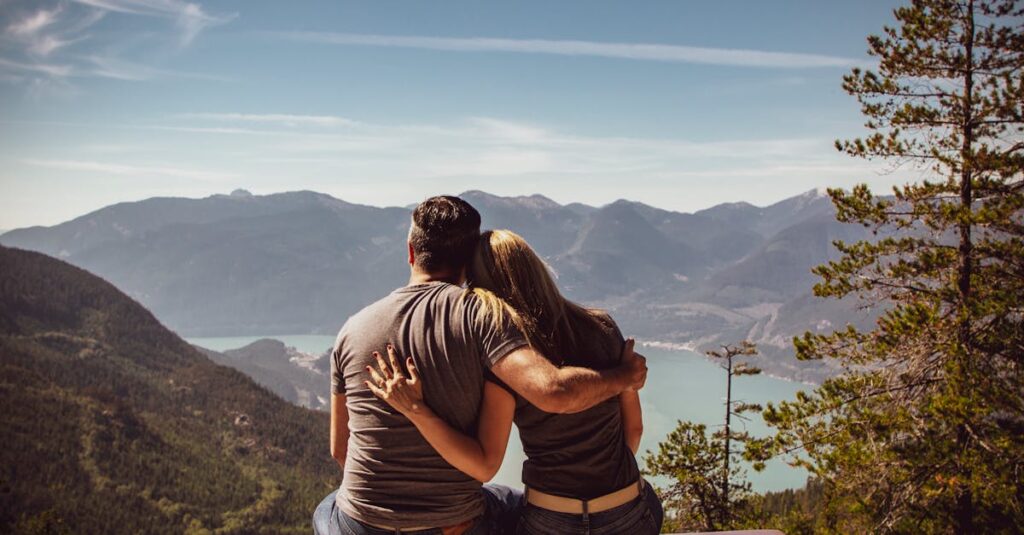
924, 429
708, 491
733, 408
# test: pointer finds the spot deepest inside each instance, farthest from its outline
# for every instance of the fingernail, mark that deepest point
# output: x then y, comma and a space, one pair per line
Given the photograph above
390, 346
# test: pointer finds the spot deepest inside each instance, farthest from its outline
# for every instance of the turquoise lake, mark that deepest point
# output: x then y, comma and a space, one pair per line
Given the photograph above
681, 385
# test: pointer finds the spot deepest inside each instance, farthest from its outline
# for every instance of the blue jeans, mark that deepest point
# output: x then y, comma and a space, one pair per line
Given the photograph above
641, 516
502, 507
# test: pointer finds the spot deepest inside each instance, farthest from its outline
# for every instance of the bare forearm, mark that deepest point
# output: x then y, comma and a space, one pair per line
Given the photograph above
632, 419
339, 454
339, 430
461, 451
570, 389
633, 437
578, 389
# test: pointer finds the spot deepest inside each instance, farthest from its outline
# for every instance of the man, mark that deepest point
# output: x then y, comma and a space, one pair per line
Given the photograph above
393, 480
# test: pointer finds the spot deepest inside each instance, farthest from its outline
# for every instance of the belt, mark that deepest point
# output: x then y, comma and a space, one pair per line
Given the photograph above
560, 504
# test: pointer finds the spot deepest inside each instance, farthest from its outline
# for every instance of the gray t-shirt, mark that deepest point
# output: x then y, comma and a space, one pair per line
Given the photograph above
393, 477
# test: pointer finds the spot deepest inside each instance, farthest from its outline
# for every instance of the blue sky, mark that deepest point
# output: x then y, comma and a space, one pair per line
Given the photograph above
679, 104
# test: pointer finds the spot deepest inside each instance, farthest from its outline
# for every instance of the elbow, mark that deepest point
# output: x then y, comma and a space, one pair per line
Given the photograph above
557, 399
487, 471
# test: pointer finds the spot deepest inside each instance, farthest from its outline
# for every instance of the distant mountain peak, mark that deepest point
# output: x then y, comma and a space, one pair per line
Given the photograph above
739, 205
241, 193
536, 200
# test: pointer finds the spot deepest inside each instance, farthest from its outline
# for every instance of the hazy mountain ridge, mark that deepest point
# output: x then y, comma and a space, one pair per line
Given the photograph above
296, 377
113, 424
267, 270
302, 262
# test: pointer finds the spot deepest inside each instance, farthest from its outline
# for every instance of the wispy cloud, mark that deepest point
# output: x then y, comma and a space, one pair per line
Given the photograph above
108, 67
190, 18
40, 34
46, 48
381, 163
47, 31
129, 169
47, 44
274, 118
102, 67
33, 23
488, 146
630, 51
39, 68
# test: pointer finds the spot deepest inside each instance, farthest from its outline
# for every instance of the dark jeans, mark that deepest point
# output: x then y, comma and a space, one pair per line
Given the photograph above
502, 507
641, 516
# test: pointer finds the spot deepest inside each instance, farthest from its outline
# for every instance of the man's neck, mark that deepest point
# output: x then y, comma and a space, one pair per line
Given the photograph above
419, 276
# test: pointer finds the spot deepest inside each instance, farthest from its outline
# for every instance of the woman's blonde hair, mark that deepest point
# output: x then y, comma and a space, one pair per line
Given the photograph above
511, 280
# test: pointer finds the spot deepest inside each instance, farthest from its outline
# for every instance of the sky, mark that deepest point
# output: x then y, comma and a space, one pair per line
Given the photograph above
675, 103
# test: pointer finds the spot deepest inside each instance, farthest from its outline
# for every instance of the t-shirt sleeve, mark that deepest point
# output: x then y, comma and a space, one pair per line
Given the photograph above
497, 339
614, 336
490, 377
337, 371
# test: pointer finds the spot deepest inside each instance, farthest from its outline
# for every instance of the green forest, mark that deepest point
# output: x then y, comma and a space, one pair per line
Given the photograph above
113, 424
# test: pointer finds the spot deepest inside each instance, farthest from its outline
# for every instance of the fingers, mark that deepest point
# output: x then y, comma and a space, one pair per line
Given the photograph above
384, 369
377, 379
627, 350
394, 360
642, 365
414, 374
636, 363
376, 391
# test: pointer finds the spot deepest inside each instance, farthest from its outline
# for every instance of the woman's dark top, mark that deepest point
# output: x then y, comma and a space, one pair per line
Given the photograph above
582, 455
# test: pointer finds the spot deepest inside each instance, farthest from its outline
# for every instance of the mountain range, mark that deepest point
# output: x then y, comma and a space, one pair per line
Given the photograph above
302, 262
113, 424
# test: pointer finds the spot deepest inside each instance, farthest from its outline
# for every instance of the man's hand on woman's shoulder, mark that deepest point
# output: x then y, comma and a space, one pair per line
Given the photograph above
634, 365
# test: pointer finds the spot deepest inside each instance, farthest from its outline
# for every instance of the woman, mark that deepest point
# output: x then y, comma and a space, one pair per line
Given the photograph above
581, 474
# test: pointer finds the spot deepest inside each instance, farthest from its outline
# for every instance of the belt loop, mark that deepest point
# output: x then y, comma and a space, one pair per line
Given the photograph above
586, 516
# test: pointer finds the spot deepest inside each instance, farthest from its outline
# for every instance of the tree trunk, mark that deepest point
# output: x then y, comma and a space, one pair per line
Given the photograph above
728, 435
963, 515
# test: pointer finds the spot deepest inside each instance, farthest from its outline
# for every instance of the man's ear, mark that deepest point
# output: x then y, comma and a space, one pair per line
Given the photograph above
412, 254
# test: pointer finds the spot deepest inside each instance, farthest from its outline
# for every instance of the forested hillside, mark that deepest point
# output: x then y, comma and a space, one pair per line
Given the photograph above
113, 424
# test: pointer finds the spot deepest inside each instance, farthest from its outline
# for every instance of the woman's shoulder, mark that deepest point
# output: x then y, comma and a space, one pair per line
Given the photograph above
598, 339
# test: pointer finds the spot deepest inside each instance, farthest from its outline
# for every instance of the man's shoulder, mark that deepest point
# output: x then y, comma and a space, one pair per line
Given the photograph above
368, 311
435, 293
368, 316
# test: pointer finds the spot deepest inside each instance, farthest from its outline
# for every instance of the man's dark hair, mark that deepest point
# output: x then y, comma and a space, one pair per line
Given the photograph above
445, 230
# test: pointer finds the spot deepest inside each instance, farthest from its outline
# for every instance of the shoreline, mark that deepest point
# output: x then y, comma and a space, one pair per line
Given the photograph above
691, 347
